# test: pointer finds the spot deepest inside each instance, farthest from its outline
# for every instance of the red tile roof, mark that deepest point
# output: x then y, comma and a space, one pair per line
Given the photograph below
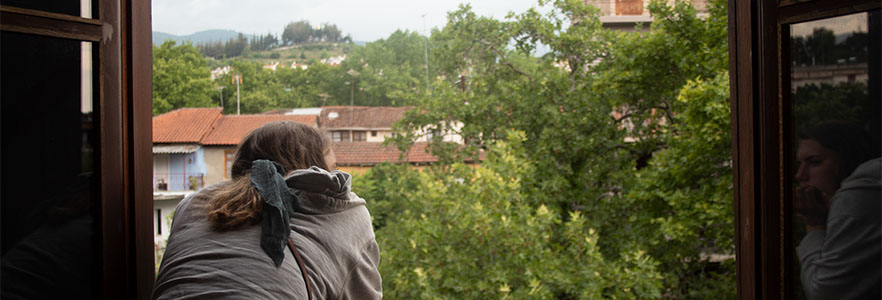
368, 117
369, 153
184, 125
230, 130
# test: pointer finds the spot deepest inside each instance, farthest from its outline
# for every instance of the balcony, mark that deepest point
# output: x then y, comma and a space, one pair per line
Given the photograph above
177, 181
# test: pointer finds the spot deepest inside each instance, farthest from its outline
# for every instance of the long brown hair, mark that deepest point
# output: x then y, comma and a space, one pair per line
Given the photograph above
293, 145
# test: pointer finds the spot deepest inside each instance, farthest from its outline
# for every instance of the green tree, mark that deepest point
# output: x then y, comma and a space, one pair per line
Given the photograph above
476, 236
680, 204
262, 43
181, 78
391, 71
846, 101
214, 50
611, 119
328, 33
260, 90
236, 46
297, 32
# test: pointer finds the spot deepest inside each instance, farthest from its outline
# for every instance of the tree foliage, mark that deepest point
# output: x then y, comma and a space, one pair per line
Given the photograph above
264, 42
471, 233
301, 32
233, 47
628, 136
390, 71
181, 78
297, 32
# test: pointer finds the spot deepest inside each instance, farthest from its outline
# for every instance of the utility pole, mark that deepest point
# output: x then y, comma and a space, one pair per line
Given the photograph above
351, 103
237, 79
426, 46
220, 90
351, 82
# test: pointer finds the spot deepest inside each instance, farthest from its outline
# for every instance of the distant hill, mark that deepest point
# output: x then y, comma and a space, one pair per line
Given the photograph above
201, 37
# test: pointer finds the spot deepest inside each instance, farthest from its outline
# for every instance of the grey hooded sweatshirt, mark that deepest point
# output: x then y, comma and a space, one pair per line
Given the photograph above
844, 261
333, 235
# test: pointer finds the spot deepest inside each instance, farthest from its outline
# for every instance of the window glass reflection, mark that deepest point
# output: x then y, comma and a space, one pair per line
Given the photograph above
835, 65
49, 177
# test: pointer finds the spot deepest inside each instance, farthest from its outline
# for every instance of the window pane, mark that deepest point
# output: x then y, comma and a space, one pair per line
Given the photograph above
229, 158
359, 136
50, 196
836, 117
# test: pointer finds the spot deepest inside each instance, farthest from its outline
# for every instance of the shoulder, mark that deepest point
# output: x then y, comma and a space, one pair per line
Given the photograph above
194, 205
867, 175
859, 195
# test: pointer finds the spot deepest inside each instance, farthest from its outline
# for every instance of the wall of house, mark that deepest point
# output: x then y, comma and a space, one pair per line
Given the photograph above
214, 164
360, 170
164, 209
382, 135
606, 7
449, 136
354, 170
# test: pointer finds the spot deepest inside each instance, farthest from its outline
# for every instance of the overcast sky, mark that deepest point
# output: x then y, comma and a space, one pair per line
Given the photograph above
365, 20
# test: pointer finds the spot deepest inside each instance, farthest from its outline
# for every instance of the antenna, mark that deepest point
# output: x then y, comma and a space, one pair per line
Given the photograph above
426, 44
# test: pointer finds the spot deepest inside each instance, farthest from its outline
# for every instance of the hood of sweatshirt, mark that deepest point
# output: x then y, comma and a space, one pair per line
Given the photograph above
321, 192
867, 175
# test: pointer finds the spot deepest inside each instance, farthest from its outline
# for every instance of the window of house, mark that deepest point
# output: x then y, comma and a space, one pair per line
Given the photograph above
340, 136
229, 157
434, 133
373, 133
359, 136
159, 221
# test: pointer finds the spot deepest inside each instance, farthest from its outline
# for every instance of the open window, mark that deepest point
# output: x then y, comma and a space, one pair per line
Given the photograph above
805, 86
76, 106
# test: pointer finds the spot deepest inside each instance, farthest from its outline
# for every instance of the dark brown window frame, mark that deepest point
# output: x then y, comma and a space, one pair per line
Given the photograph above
760, 108
362, 135
123, 32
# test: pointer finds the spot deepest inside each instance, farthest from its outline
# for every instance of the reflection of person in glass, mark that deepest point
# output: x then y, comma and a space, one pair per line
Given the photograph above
838, 198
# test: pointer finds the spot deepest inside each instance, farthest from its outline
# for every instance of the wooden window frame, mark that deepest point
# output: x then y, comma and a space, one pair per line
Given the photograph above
361, 134
122, 31
760, 140
341, 136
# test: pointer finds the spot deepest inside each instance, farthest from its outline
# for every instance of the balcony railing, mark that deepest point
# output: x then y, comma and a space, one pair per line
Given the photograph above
177, 181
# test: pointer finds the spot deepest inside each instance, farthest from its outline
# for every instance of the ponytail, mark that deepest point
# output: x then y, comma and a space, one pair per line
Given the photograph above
235, 204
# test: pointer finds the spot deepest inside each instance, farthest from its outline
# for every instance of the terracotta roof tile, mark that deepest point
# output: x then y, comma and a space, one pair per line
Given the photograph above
184, 125
369, 153
370, 117
230, 130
